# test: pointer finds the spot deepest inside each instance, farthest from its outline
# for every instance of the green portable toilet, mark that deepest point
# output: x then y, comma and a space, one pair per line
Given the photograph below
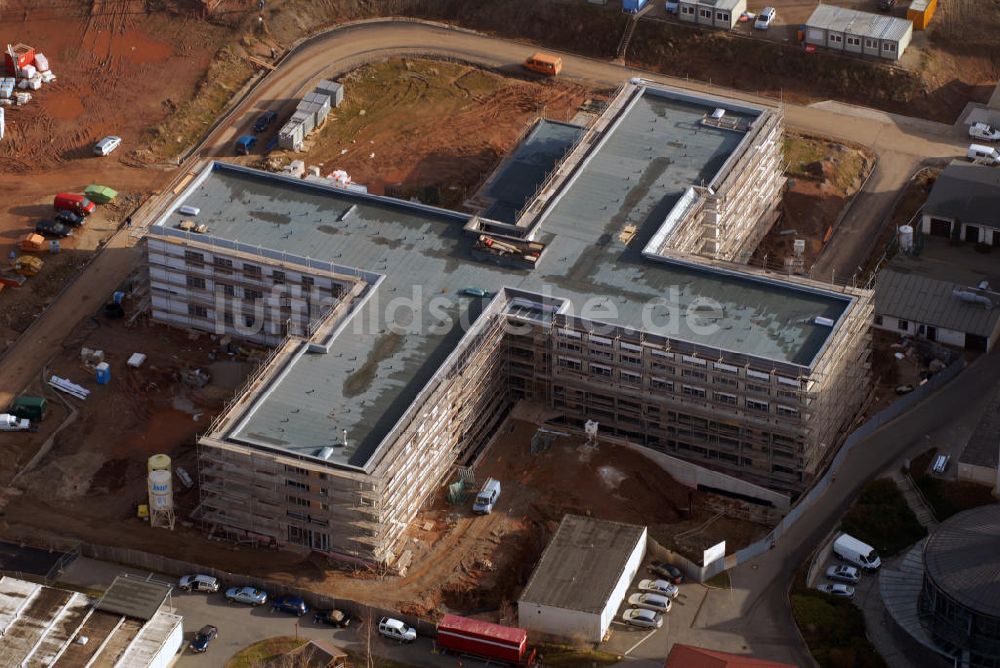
29, 407
100, 194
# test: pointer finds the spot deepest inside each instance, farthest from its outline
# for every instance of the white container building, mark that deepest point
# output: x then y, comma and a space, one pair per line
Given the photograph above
861, 33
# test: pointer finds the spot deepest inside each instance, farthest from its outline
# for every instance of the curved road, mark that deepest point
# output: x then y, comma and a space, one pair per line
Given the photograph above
757, 610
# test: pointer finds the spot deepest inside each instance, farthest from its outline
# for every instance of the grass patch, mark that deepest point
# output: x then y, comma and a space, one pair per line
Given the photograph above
356, 658
833, 628
566, 656
187, 125
948, 497
256, 654
818, 159
881, 518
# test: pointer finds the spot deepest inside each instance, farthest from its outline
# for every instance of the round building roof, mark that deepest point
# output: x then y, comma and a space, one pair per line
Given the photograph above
962, 557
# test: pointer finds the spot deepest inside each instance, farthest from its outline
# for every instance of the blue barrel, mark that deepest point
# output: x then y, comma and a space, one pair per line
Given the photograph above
54, 246
118, 296
103, 373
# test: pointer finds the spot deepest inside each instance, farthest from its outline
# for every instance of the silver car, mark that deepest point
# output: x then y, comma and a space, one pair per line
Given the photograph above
654, 602
248, 595
646, 619
107, 145
204, 583
841, 590
848, 574
659, 587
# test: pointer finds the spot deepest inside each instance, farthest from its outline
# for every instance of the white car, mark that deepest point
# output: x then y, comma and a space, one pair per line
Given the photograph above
199, 583
659, 587
107, 145
654, 602
393, 629
646, 619
842, 590
765, 18
848, 574
984, 131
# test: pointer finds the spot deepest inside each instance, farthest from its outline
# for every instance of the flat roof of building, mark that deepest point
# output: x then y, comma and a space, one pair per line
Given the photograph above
962, 557
862, 24
385, 353
582, 564
518, 178
134, 597
983, 446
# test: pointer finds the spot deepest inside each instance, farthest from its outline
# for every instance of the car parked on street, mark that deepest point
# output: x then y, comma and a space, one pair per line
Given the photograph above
205, 635
333, 617
293, 605
646, 619
69, 218
654, 602
51, 228
659, 587
848, 574
205, 583
474, 292
842, 590
670, 573
393, 629
248, 595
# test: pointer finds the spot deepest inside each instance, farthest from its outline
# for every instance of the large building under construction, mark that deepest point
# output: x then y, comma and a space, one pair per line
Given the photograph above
403, 334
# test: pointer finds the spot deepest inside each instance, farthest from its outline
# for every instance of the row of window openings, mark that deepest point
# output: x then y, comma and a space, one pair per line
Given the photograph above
705, 13
250, 270
199, 283
856, 41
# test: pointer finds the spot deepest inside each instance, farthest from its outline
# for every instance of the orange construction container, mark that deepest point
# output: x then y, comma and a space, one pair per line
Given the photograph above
921, 12
32, 242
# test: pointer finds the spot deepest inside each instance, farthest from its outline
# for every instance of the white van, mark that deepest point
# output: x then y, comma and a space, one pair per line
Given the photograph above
853, 551
487, 497
985, 153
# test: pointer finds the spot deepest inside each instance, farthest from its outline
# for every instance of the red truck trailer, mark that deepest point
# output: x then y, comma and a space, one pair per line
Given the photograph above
462, 635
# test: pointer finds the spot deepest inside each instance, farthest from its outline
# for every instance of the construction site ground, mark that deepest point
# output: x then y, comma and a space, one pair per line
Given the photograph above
430, 129
88, 485
823, 176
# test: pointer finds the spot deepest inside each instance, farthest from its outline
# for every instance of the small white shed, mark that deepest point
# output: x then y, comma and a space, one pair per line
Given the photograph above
861, 33
582, 578
714, 13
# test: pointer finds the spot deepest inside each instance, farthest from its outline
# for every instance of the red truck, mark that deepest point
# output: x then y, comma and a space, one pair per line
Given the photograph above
72, 202
462, 635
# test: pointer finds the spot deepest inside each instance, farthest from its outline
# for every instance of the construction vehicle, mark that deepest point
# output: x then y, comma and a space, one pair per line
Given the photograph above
32, 243
28, 265
10, 422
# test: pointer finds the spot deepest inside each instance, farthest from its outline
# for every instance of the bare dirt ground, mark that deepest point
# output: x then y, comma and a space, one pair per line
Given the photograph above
822, 177
431, 128
89, 484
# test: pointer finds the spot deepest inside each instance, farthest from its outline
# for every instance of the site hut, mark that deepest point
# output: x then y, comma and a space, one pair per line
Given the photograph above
714, 13
131, 625
856, 32
964, 316
374, 394
582, 578
964, 204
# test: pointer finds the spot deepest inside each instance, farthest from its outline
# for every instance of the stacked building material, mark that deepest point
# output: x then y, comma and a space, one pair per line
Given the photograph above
310, 113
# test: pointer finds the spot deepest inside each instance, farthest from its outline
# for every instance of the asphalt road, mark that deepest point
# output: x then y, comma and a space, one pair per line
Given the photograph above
761, 614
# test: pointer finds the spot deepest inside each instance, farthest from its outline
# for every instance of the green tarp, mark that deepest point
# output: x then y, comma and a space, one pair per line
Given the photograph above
100, 194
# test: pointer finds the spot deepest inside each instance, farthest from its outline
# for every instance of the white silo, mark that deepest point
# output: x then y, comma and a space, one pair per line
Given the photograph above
161, 499
906, 238
158, 463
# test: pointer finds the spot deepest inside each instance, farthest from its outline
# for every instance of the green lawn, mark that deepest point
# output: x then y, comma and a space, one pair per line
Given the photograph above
259, 653
834, 629
881, 518
565, 656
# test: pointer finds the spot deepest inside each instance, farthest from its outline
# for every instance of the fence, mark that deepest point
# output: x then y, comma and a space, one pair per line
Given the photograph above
859, 435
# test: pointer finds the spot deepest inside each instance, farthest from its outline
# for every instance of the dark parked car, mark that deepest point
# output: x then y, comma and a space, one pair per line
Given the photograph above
69, 218
201, 639
265, 120
671, 574
886, 5
337, 618
51, 228
291, 604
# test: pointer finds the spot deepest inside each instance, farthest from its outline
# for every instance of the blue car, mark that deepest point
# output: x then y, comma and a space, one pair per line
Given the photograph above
248, 595
293, 605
